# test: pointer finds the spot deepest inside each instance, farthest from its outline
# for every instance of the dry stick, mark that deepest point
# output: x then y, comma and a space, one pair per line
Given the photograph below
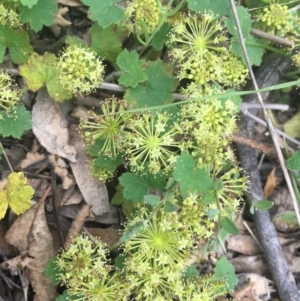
6, 158
268, 74
272, 38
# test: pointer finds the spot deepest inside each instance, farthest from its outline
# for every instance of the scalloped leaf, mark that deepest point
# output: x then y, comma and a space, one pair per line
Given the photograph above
15, 123
156, 90
105, 12
17, 42
134, 69
41, 70
40, 14
17, 194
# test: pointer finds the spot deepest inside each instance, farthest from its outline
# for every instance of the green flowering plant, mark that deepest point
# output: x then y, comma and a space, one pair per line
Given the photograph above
150, 139
201, 48
277, 19
175, 171
80, 70
107, 127
83, 267
9, 96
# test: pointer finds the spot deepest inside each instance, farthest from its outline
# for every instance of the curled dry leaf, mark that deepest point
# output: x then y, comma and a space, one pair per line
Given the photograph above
31, 158
30, 232
94, 192
243, 244
60, 168
51, 127
59, 19
252, 287
270, 184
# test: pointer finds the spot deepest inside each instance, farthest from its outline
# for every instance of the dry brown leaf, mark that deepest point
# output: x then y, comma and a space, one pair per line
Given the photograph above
51, 127
249, 264
40, 247
60, 168
252, 287
94, 192
59, 19
243, 244
270, 184
108, 236
31, 158
78, 222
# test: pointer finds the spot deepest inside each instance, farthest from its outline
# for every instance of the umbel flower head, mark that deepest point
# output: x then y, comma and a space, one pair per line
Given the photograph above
146, 15
151, 142
84, 269
277, 18
8, 96
9, 17
200, 46
108, 127
80, 71
209, 123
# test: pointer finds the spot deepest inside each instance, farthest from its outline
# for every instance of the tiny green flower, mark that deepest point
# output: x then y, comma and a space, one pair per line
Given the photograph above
200, 37
82, 260
108, 126
146, 15
8, 96
277, 18
151, 142
8, 16
80, 71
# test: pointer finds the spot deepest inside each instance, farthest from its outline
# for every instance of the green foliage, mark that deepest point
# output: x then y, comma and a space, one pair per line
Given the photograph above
105, 12
42, 70
255, 51
51, 271
107, 42
152, 200
225, 271
229, 226
29, 3
134, 69
293, 163
156, 90
218, 7
16, 194
191, 179
17, 42
245, 19
40, 14
135, 186
161, 37
15, 123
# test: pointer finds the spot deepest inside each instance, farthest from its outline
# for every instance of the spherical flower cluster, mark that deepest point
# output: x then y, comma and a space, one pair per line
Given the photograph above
208, 124
107, 128
156, 257
84, 269
80, 71
201, 49
151, 141
146, 14
277, 18
235, 72
9, 17
8, 96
